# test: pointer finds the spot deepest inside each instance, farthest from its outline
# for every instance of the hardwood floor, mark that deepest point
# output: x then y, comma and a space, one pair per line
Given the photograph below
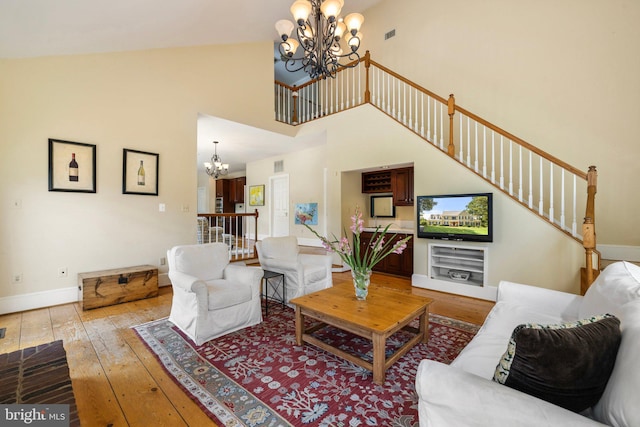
116, 379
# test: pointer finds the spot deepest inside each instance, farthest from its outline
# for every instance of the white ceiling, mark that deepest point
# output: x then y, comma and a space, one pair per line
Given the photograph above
31, 28
240, 144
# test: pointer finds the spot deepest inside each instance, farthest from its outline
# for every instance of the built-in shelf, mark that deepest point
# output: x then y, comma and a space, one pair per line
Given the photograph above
377, 182
458, 264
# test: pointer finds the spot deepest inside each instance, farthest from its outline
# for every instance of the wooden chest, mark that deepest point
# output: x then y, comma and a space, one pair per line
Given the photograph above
109, 287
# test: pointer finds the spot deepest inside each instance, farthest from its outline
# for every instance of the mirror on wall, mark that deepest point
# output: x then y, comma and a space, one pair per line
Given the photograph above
382, 207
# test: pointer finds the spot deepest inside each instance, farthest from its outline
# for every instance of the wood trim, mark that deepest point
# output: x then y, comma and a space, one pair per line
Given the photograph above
525, 144
482, 121
523, 204
310, 82
589, 232
409, 82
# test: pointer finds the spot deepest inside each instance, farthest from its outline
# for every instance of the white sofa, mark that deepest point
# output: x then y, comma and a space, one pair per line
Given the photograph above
463, 393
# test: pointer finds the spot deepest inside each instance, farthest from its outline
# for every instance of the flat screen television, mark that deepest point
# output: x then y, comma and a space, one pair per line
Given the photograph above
465, 217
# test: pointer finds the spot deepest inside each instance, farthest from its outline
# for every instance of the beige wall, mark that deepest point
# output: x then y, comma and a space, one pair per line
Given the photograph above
147, 100
561, 75
306, 171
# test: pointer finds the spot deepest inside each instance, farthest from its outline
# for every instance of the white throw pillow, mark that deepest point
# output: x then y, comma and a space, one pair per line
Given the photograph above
618, 284
618, 406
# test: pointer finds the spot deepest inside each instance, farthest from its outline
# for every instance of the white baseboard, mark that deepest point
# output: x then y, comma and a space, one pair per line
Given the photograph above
314, 242
35, 300
489, 293
24, 302
163, 280
341, 269
302, 241
620, 252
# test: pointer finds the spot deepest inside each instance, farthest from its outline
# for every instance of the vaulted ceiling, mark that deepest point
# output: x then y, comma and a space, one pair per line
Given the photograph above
32, 28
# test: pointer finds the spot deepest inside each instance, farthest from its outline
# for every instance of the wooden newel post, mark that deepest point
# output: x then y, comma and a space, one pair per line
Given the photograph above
592, 177
256, 225
294, 97
588, 230
451, 104
367, 64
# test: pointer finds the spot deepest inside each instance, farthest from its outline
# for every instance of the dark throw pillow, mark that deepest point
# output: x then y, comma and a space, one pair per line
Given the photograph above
567, 364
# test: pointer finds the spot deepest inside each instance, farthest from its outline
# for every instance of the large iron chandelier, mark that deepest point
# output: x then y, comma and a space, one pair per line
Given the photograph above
319, 32
215, 167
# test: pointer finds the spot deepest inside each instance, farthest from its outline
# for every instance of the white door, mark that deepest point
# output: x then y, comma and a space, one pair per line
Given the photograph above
203, 200
279, 205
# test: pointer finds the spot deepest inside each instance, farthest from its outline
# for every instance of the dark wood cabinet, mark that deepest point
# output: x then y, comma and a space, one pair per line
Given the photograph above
222, 188
238, 187
396, 264
399, 182
402, 181
231, 191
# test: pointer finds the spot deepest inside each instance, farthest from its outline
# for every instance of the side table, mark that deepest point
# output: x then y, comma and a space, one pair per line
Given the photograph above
272, 280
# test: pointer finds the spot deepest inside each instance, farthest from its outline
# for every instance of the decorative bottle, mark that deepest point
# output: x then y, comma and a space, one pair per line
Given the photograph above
73, 168
141, 174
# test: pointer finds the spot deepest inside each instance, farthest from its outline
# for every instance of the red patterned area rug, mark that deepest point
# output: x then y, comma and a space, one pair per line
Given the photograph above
259, 376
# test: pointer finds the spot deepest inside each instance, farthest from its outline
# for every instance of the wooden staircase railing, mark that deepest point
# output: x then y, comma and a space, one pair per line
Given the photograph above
238, 230
544, 184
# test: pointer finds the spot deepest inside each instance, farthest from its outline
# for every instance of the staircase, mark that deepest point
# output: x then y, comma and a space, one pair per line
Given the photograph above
547, 186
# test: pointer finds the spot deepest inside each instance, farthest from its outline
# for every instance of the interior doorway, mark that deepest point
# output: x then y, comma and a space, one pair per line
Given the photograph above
279, 205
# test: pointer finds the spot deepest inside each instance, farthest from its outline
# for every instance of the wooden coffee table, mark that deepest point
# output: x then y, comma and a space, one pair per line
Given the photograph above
385, 312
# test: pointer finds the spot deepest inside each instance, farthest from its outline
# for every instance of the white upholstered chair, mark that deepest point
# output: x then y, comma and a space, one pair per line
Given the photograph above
212, 297
304, 273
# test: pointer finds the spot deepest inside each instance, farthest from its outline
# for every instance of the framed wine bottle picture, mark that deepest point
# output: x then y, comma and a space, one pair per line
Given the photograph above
139, 172
72, 166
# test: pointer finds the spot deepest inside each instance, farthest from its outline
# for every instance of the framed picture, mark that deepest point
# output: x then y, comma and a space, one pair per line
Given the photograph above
72, 166
139, 172
306, 213
256, 195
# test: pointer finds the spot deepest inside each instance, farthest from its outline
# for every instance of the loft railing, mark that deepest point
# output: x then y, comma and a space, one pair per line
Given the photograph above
238, 231
544, 184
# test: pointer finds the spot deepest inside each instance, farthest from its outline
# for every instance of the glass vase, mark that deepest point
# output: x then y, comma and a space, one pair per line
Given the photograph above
361, 279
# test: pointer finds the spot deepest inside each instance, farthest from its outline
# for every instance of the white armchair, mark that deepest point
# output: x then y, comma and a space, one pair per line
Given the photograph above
304, 273
211, 297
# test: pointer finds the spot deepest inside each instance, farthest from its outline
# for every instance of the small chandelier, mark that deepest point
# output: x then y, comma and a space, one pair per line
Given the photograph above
215, 167
320, 30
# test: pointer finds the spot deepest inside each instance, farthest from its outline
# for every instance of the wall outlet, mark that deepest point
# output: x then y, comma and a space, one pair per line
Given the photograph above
163, 261
62, 272
16, 278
